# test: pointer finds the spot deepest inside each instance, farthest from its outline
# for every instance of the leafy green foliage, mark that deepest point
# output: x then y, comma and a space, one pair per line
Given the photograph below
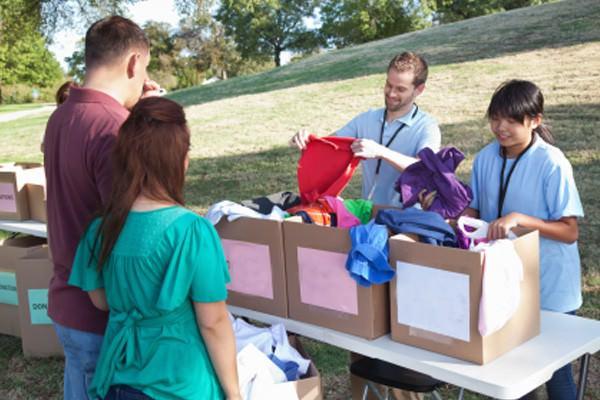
24, 58
456, 10
268, 27
360, 21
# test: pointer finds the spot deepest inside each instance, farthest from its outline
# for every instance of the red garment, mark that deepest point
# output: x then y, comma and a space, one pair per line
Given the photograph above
80, 136
325, 167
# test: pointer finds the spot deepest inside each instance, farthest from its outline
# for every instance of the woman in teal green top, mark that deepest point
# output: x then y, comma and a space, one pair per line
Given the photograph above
160, 271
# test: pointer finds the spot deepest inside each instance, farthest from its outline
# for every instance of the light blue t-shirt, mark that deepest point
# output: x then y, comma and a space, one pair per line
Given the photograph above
420, 132
541, 186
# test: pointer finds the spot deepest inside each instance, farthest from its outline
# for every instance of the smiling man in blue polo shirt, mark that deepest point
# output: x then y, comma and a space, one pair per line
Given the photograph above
391, 137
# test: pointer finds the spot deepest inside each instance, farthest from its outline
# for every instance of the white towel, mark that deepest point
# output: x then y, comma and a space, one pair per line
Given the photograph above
234, 211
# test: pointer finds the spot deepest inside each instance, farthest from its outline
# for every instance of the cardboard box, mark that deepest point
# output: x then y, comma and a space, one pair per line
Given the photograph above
37, 333
13, 193
320, 290
254, 252
450, 279
309, 386
11, 250
36, 197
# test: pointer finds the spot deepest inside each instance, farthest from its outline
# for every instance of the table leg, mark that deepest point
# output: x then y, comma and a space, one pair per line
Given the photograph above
583, 373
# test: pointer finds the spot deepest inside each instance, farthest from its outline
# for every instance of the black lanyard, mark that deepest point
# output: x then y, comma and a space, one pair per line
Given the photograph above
503, 185
402, 125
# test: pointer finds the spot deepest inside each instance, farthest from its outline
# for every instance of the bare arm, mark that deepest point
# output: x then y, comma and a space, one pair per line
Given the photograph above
98, 298
215, 328
367, 148
397, 160
564, 229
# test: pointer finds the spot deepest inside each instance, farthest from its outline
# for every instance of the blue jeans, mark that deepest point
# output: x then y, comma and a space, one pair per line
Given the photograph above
81, 353
561, 385
124, 392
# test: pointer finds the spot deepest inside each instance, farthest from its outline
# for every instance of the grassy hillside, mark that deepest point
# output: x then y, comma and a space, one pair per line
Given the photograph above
547, 26
240, 128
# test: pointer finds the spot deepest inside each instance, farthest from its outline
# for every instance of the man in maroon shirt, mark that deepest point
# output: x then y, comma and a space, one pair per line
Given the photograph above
77, 156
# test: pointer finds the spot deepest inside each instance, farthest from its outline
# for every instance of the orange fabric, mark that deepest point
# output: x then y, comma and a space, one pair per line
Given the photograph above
319, 212
325, 167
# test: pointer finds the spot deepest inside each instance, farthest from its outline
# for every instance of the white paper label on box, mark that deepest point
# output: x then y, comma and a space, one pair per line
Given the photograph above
38, 306
249, 268
325, 282
433, 299
8, 201
8, 289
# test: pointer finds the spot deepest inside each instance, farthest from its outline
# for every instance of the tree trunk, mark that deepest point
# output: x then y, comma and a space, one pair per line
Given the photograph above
277, 58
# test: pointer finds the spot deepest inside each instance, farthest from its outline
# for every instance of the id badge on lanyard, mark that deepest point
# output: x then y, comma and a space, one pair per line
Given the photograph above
379, 161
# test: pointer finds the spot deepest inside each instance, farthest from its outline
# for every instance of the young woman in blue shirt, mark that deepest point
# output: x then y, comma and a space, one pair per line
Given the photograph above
522, 179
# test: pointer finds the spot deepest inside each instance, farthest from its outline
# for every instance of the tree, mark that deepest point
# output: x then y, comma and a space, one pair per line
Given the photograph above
206, 46
24, 58
76, 62
164, 54
457, 10
269, 27
351, 22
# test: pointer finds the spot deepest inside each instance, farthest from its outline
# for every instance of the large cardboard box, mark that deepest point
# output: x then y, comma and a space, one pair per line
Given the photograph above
254, 252
11, 250
13, 193
320, 289
37, 333
309, 386
441, 294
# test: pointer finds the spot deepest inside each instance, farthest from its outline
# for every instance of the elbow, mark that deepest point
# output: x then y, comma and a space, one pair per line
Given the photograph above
211, 316
211, 324
99, 299
100, 305
570, 232
573, 236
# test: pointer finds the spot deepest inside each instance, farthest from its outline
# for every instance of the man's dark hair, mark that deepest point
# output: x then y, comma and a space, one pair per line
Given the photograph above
409, 61
110, 38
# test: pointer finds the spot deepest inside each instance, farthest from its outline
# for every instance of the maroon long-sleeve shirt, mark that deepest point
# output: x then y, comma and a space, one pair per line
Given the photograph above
79, 139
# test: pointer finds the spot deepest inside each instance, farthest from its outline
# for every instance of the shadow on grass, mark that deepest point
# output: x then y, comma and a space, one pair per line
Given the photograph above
547, 26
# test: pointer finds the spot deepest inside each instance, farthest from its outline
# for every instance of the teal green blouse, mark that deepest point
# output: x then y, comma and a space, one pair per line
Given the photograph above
162, 261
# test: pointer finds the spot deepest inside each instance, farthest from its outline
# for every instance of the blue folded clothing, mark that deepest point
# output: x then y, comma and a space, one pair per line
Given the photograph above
429, 225
367, 261
289, 368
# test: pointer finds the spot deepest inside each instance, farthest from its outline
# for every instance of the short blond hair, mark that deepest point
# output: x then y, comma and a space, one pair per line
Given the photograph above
409, 61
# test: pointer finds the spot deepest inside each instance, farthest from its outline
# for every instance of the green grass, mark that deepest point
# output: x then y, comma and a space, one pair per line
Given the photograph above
240, 130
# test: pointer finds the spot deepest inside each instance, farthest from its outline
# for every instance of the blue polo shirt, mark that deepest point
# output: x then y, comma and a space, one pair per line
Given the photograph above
541, 186
420, 131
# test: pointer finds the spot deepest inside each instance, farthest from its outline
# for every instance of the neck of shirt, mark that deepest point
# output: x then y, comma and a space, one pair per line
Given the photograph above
392, 116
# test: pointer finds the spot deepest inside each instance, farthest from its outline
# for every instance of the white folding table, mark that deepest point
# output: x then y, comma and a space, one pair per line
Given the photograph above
29, 227
563, 338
